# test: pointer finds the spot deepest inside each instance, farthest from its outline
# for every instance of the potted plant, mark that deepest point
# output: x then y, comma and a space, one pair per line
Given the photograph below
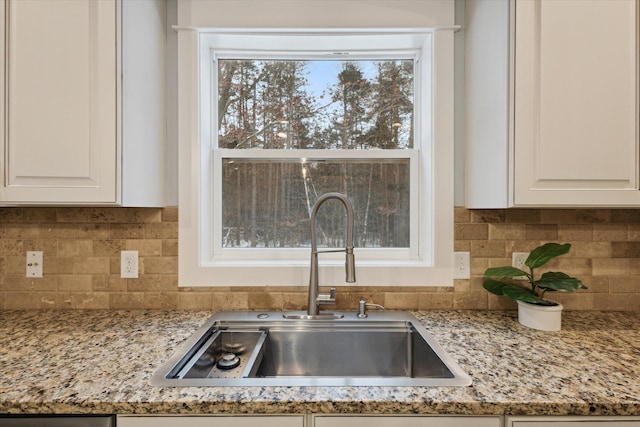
534, 310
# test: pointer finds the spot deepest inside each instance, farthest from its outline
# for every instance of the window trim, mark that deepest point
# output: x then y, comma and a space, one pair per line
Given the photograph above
196, 137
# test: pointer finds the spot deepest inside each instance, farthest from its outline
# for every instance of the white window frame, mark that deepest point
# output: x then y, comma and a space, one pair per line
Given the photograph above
428, 262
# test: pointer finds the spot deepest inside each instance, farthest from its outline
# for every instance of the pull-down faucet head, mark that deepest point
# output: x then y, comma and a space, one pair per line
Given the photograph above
314, 293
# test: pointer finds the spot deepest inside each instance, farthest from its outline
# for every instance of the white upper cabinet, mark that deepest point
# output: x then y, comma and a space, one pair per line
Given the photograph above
71, 119
552, 103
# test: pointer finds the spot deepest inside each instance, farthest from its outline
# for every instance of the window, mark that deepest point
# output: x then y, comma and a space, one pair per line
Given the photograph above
285, 116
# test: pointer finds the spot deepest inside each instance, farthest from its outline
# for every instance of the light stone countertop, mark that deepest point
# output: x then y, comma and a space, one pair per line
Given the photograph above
78, 362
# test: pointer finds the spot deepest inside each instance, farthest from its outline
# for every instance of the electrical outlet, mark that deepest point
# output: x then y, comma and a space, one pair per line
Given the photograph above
34, 263
129, 264
518, 259
461, 265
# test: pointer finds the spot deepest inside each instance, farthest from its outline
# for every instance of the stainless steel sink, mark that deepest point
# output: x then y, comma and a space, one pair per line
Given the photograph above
267, 349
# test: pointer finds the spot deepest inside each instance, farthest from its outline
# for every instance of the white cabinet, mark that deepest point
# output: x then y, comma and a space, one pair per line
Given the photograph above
211, 421
550, 421
83, 102
405, 421
551, 103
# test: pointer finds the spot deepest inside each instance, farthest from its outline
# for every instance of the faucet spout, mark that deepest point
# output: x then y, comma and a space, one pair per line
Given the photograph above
315, 299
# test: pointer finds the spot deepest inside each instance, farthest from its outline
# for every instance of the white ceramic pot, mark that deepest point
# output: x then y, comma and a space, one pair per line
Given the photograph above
541, 317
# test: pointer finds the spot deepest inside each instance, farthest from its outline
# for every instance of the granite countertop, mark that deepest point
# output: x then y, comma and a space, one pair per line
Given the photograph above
79, 362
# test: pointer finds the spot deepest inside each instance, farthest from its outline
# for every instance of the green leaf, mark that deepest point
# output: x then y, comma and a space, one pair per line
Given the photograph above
505, 272
557, 281
494, 286
520, 293
542, 254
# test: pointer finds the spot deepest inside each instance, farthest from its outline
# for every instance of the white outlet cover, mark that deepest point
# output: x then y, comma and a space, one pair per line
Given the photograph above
461, 265
129, 264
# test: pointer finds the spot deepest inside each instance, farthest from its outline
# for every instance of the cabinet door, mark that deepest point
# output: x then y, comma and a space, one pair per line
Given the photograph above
585, 421
60, 132
210, 421
576, 75
408, 421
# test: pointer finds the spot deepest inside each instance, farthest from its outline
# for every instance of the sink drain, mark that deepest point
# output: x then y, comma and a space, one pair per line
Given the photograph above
228, 361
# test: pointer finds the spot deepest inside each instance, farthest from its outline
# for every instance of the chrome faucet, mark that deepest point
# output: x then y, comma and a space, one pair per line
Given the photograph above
315, 298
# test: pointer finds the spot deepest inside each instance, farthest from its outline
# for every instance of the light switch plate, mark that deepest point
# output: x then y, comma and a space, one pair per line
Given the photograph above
34, 264
461, 265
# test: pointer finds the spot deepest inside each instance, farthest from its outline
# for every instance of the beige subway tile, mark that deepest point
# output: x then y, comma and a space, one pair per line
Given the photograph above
15, 264
617, 302
23, 300
12, 247
160, 300
401, 300
625, 249
126, 231
3, 266
89, 300
471, 231
470, 300
108, 283
161, 265
461, 215
164, 230
596, 284
126, 300
593, 216
476, 284
195, 301
57, 231
610, 266
146, 215
92, 265
590, 250
488, 248
170, 247
230, 301
78, 247
435, 301
170, 214
633, 233
479, 265
297, 301
488, 216
111, 215
58, 265
634, 266
108, 248
12, 215
145, 247
265, 301
75, 283
545, 232
500, 302
3, 299
573, 300
625, 284
626, 216
39, 215
498, 262
75, 215
575, 232
506, 231
22, 231
523, 216
92, 231
462, 245
372, 295
572, 266
609, 232
49, 247
18, 282
154, 283
558, 216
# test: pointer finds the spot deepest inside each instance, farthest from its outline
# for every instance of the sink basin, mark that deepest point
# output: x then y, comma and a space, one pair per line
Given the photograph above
267, 349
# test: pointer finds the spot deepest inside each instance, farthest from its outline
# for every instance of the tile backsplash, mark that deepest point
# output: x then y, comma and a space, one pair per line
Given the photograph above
82, 261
